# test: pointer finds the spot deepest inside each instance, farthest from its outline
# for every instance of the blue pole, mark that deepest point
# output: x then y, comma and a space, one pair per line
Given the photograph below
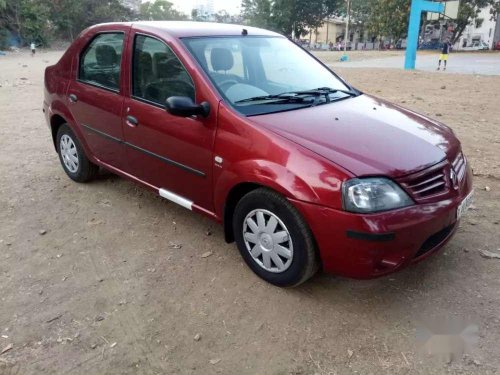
417, 7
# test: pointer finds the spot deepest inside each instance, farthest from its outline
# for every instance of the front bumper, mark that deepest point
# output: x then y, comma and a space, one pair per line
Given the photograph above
368, 246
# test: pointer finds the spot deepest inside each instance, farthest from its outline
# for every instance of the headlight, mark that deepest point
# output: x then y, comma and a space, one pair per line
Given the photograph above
373, 194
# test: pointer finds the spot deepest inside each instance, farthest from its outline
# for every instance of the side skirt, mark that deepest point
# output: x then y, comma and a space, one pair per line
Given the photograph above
164, 193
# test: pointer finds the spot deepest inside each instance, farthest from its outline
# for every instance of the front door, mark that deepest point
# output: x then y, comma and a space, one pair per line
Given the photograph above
95, 100
171, 153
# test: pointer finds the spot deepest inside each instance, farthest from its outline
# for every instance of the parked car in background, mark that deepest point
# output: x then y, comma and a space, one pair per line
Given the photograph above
477, 45
497, 46
242, 125
401, 44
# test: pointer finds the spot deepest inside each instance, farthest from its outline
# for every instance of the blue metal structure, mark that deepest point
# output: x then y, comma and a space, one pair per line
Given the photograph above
417, 7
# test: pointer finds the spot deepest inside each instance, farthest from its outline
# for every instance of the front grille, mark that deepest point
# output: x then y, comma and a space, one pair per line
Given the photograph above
434, 240
428, 183
435, 183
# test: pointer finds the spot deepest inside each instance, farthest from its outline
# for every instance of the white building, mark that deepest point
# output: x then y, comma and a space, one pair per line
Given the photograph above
485, 33
205, 8
134, 5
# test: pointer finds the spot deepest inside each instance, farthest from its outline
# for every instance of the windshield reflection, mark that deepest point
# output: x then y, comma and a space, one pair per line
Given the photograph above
246, 67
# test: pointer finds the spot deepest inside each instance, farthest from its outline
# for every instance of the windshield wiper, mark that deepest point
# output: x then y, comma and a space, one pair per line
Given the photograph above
300, 96
281, 98
323, 91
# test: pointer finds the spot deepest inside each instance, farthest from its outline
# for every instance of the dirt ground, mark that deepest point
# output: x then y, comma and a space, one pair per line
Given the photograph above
92, 280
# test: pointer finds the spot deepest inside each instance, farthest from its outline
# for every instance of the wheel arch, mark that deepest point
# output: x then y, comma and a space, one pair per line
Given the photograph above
235, 194
246, 176
56, 121
60, 115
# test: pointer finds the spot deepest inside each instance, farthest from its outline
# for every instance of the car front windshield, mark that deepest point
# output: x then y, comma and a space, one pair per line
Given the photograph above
259, 75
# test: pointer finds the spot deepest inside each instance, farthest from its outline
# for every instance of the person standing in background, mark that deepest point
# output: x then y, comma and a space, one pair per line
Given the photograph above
33, 48
444, 54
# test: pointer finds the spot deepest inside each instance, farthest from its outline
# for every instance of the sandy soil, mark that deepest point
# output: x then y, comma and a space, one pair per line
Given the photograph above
92, 282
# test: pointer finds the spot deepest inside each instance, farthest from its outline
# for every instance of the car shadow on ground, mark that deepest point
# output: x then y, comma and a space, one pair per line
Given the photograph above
408, 287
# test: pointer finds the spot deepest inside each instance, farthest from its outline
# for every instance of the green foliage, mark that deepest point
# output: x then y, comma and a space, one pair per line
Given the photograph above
160, 10
72, 16
361, 10
257, 13
39, 20
389, 18
495, 9
28, 18
288, 16
380, 17
35, 15
4, 37
468, 14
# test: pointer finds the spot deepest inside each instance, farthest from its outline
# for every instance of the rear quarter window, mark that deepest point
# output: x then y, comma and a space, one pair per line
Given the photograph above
100, 61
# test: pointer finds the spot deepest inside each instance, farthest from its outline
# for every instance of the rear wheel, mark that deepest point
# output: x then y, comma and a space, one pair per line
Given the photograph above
273, 238
73, 160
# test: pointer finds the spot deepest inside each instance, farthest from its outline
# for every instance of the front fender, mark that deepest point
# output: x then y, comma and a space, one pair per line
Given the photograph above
250, 154
314, 182
264, 173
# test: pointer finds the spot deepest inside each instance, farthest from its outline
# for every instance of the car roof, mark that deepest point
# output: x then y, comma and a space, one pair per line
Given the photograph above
183, 29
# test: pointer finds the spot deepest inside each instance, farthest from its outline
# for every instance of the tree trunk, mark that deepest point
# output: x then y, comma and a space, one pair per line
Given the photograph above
457, 34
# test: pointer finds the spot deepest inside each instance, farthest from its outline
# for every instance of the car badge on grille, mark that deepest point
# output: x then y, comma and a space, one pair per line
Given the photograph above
453, 179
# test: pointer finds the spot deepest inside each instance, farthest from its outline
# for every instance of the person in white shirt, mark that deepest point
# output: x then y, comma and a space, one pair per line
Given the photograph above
33, 49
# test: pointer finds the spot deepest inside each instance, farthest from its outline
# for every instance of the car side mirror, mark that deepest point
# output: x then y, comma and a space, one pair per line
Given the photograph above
184, 106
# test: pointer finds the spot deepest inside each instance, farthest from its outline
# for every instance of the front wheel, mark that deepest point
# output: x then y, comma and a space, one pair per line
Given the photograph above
273, 238
73, 159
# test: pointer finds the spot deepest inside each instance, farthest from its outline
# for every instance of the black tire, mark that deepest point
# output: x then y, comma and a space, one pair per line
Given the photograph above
304, 263
85, 170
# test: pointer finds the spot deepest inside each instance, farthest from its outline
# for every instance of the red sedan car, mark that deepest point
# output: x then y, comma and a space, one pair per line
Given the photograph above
244, 126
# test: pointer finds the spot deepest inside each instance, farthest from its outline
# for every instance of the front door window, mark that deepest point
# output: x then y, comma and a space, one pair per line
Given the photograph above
157, 72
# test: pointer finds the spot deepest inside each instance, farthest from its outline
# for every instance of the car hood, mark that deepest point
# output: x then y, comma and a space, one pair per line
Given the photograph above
366, 135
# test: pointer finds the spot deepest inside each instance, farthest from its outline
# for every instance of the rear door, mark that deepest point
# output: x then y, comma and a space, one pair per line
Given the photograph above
95, 97
171, 153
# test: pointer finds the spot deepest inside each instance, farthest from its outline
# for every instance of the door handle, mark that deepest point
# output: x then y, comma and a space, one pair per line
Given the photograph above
132, 121
73, 98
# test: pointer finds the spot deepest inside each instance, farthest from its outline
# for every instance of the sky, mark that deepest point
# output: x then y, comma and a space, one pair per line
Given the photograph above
232, 6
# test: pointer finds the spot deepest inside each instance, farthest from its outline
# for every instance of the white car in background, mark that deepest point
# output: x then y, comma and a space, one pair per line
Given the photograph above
477, 45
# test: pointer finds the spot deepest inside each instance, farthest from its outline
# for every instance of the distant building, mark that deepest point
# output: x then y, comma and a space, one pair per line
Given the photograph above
205, 9
133, 5
496, 38
484, 33
333, 32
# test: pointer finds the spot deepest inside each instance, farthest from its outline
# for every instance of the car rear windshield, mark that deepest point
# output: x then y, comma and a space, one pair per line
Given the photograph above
249, 71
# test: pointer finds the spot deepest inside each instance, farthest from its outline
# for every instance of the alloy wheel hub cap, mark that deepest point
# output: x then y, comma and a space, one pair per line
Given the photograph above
69, 153
268, 241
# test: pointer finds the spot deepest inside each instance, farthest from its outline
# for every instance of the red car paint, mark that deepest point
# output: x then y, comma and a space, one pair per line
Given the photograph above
305, 154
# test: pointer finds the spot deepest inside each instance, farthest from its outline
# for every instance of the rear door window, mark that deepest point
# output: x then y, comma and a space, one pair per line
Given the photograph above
157, 72
100, 63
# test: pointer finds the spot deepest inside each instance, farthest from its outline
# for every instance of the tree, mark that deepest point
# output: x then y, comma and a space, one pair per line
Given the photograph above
468, 14
257, 13
222, 16
26, 18
4, 37
39, 20
159, 10
389, 18
69, 17
360, 11
495, 9
194, 14
288, 16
